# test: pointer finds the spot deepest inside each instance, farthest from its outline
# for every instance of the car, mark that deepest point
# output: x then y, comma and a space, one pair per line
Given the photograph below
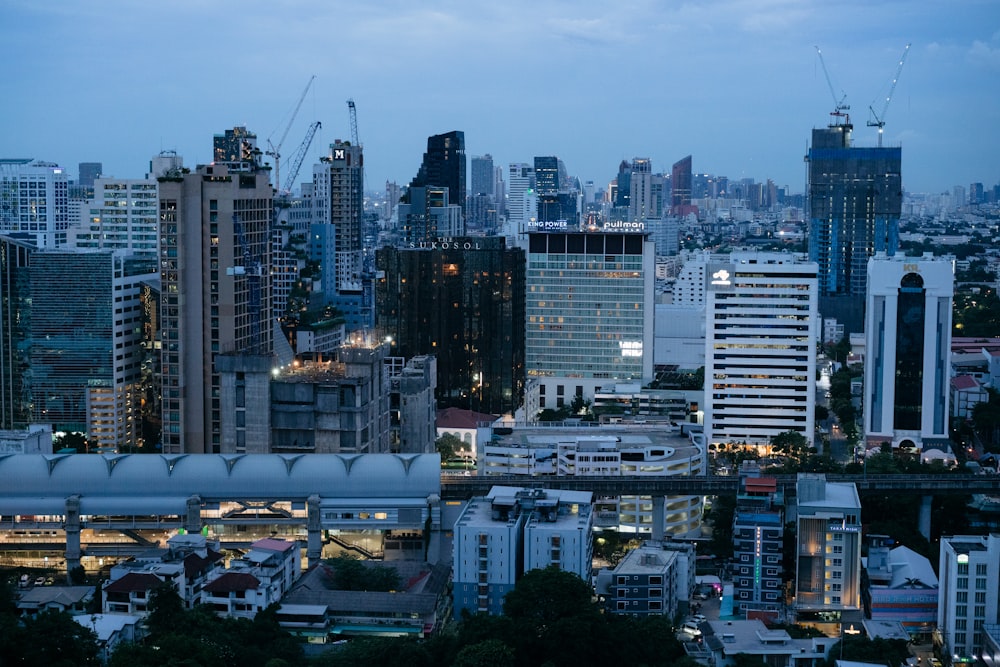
691, 629
698, 618
39, 581
700, 595
25, 580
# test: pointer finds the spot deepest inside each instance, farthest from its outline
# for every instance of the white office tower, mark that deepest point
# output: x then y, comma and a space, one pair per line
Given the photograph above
34, 199
828, 549
123, 215
513, 530
520, 189
908, 344
968, 605
760, 348
590, 311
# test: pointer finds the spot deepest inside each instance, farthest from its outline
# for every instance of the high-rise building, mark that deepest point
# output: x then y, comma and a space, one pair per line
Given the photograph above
589, 312
16, 252
547, 175
760, 348
237, 149
471, 316
828, 547
483, 176
646, 191
907, 351
429, 215
122, 215
512, 531
216, 292
680, 187
34, 198
338, 196
758, 531
90, 172
521, 200
86, 360
443, 165
855, 200
968, 601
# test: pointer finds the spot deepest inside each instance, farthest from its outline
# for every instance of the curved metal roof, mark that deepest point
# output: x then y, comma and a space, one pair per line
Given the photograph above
43, 478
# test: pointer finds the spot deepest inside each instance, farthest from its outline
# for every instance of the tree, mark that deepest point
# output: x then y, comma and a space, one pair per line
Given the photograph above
56, 640
791, 444
350, 574
448, 445
489, 653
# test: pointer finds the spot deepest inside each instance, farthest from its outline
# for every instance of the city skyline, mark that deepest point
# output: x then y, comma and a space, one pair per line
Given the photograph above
736, 84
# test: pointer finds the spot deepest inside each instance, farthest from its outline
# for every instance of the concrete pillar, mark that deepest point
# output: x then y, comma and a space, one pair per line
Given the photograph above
72, 527
432, 538
659, 517
924, 518
314, 531
192, 517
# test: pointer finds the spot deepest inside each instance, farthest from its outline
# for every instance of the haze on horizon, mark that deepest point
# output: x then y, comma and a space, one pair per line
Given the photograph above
735, 83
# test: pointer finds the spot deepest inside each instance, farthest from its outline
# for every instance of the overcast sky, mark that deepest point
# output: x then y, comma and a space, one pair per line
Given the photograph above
735, 83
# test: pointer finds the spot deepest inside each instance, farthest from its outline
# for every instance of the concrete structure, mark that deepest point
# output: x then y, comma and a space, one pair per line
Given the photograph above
902, 586
969, 569
907, 348
522, 202
511, 531
413, 407
36, 439
758, 531
507, 448
85, 360
760, 348
828, 546
215, 242
657, 578
34, 199
464, 425
589, 313
122, 215
338, 201
722, 641
256, 580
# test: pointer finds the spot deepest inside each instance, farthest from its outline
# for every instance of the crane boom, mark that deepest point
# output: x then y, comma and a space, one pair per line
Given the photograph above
879, 118
838, 105
299, 156
354, 122
275, 149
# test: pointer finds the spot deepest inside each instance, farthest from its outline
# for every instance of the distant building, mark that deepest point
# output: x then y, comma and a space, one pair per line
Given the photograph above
968, 604
655, 579
828, 547
338, 202
907, 352
511, 531
483, 176
413, 407
89, 172
722, 641
34, 199
522, 206
16, 252
443, 166
121, 215
680, 188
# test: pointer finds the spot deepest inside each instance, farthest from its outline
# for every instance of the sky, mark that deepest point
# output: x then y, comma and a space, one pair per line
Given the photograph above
737, 84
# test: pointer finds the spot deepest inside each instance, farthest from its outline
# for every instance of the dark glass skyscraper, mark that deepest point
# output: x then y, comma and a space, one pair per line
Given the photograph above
15, 329
546, 175
680, 186
855, 199
444, 165
462, 300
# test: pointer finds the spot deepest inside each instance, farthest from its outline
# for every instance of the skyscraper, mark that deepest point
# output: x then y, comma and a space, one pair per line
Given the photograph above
483, 176
16, 253
338, 196
215, 244
89, 172
590, 312
521, 200
444, 165
34, 198
760, 348
908, 350
122, 215
680, 187
855, 199
547, 175
236, 148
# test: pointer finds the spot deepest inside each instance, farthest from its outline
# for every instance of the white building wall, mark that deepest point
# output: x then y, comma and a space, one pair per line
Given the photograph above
968, 571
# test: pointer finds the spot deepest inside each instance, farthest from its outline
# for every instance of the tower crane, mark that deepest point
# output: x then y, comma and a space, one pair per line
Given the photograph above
354, 122
878, 119
274, 150
252, 270
839, 108
299, 156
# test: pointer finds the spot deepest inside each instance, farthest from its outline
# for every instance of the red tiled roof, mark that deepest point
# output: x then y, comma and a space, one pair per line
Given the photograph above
964, 382
195, 565
459, 418
761, 484
232, 582
273, 545
133, 582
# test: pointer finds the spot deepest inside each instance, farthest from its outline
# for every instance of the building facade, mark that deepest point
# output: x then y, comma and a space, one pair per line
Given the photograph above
122, 215
908, 351
968, 571
16, 252
760, 348
758, 532
215, 248
589, 312
338, 200
443, 166
34, 199
470, 316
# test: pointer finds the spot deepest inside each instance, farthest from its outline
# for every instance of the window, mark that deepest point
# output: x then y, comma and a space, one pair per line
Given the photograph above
980, 569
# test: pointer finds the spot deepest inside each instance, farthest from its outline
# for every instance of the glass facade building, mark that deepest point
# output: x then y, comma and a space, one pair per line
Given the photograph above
15, 329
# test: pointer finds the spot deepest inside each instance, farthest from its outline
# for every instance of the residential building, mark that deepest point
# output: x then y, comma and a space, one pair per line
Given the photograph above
122, 214
828, 547
483, 176
428, 215
443, 166
723, 641
112, 630
968, 605
589, 312
254, 581
34, 199
86, 360
760, 348
854, 201
907, 351
499, 537
471, 318
338, 200
89, 172
236, 149
215, 241
654, 579
758, 533
509, 448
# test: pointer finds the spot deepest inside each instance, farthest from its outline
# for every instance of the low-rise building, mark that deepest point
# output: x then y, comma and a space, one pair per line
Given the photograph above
722, 641
902, 586
657, 578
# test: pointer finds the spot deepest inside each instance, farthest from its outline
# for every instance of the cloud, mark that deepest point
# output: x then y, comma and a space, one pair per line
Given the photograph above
986, 54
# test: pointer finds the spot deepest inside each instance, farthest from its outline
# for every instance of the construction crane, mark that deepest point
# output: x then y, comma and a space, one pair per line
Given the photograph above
299, 156
839, 108
354, 122
274, 150
252, 270
879, 118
